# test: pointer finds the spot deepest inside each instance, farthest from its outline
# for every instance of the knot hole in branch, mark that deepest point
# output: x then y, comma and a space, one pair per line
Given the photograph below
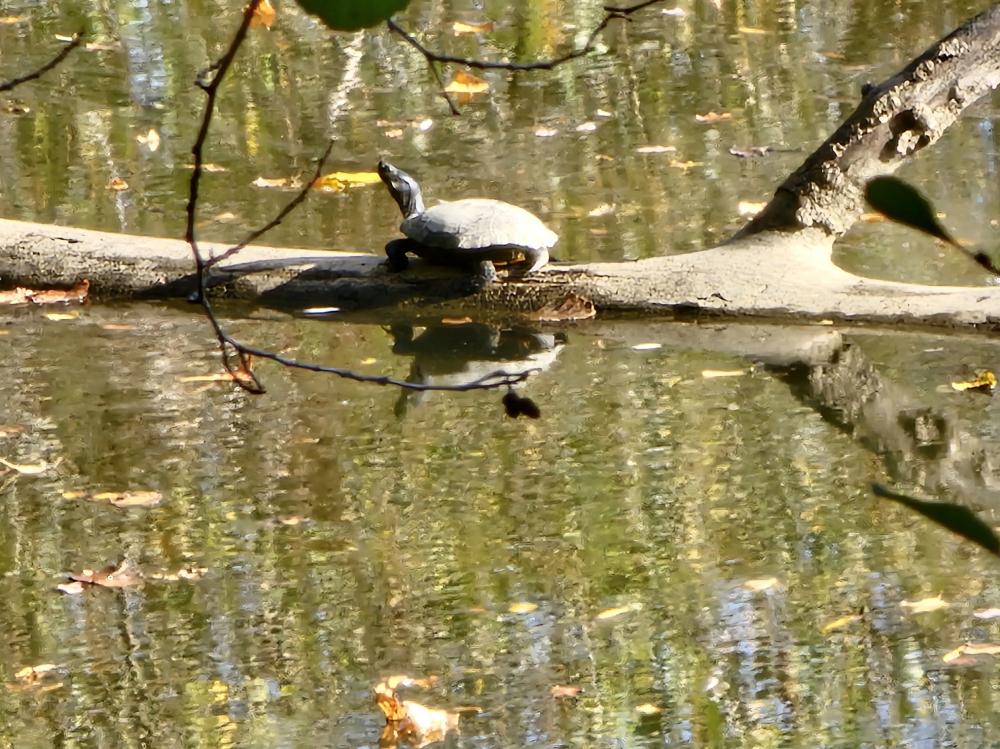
909, 135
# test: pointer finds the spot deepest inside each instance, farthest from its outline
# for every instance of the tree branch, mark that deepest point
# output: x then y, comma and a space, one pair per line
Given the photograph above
63, 54
434, 58
237, 356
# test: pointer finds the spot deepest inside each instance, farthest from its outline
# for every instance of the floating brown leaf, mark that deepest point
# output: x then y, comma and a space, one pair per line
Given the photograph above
134, 498
38, 678
265, 15
409, 721
117, 184
840, 623
286, 182
466, 83
112, 576
465, 27
971, 649
76, 293
565, 691
712, 117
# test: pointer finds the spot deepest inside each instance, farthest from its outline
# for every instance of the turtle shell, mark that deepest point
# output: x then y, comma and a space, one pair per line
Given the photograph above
478, 223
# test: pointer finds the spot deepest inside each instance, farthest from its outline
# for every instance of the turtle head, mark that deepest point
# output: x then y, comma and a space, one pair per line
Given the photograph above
403, 188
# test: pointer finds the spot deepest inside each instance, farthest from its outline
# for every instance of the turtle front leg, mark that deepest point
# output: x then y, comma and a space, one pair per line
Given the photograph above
486, 273
395, 252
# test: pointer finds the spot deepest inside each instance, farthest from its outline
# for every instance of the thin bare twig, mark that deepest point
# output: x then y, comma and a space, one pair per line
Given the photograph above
292, 205
63, 54
611, 14
237, 356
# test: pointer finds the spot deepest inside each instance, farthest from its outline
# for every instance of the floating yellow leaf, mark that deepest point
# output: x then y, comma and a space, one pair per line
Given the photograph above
648, 708
30, 469
710, 374
563, 691
264, 15
464, 27
522, 607
275, 182
56, 316
150, 139
369, 360
340, 181
984, 381
12, 20
118, 184
840, 623
618, 611
751, 30
925, 605
466, 83
971, 648
674, 164
135, 498
545, 132
761, 584
712, 117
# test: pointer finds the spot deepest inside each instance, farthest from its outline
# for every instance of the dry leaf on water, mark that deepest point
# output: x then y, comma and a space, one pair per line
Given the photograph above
36, 678
522, 607
466, 83
340, 181
264, 15
617, 611
117, 184
287, 182
112, 576
648, 708
840, 623
134, 498
150, 139
925, 605
761, 584
21, 295
565, 691
970, 649
712, 117
984, 382
465, 27
408, 721
30, 469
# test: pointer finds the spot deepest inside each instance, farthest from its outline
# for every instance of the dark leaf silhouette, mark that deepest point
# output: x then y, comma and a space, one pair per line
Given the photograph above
956, 518
351, 15
903, 203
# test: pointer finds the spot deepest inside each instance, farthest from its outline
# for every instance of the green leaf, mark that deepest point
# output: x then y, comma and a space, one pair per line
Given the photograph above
956, 518
901, 202
351, 15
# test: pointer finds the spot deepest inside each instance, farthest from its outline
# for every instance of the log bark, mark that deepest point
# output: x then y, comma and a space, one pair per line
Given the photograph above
777, 267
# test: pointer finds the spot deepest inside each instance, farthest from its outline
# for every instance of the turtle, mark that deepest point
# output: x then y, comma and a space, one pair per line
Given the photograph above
473, 233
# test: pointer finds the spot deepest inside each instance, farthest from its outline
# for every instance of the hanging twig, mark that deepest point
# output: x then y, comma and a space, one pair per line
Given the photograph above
237, 357
63, 54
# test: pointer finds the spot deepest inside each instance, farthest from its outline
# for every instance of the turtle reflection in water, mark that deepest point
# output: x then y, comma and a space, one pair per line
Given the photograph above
473, 233
457, 354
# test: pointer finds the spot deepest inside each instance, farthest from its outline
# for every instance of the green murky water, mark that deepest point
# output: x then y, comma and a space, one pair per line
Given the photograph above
682, 535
